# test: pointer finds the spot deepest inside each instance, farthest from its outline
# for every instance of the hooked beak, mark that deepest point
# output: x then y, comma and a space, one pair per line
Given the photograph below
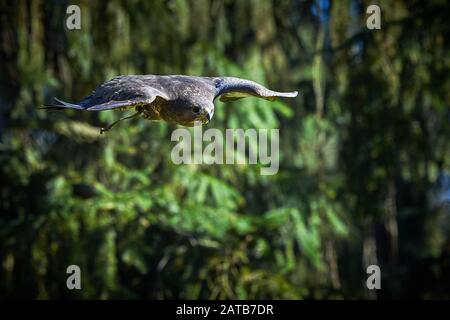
207, 116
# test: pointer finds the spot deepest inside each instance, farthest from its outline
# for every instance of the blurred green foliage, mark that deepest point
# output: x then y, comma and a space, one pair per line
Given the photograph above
362, 149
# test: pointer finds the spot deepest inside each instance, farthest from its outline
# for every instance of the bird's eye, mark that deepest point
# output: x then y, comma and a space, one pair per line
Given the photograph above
196, 109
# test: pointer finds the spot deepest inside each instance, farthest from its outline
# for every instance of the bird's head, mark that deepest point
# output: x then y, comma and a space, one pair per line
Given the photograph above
191, 112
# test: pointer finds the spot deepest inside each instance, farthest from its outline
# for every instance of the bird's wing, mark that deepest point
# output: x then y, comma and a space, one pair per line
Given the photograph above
230, 88
120, 93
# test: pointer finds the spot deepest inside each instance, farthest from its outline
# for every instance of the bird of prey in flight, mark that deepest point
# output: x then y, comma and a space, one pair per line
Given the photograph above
183, 100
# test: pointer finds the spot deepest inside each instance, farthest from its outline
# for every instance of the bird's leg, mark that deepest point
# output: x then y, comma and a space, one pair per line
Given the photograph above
117, 121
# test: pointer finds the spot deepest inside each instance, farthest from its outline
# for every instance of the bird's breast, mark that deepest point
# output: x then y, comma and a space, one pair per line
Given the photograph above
151, 111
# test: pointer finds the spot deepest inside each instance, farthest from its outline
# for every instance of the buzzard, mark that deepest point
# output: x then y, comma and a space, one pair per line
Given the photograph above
184, 100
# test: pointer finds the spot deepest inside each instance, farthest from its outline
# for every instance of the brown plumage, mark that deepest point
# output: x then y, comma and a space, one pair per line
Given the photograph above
185, 100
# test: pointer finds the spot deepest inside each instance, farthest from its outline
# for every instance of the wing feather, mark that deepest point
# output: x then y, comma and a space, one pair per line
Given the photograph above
123, 92
231, 88
120, 93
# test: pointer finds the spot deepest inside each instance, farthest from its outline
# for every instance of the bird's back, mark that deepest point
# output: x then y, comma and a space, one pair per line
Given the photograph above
133, 86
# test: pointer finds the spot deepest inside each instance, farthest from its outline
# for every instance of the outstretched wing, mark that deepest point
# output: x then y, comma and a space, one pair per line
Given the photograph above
230, 88
120, 93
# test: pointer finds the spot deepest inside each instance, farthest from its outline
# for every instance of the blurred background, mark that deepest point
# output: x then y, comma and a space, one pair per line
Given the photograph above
364, 153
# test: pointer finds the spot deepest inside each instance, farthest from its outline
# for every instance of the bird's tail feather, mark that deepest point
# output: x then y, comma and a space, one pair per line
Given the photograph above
61, 104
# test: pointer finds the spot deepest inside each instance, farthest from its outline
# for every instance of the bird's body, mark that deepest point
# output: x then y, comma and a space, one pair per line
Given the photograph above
185, 100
